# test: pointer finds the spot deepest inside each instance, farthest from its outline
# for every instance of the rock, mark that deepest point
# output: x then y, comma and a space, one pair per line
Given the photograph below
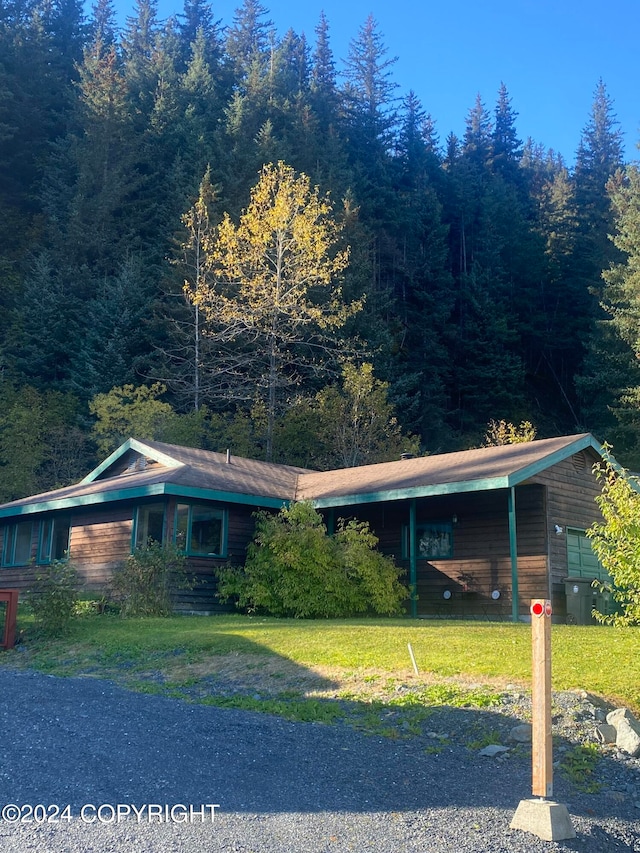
628, 737
606, 733
493, 750
521, 733
618, 714
627, 731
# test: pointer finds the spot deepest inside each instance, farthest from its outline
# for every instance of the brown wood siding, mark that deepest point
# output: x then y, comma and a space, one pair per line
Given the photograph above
571, 492
481, 559
99, 541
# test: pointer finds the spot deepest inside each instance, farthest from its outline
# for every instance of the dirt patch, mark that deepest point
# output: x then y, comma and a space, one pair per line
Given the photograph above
270, 676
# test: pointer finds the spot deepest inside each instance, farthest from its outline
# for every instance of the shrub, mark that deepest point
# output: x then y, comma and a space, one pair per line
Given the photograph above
616, 540
53, 597
145, 582
374, 575
293, 568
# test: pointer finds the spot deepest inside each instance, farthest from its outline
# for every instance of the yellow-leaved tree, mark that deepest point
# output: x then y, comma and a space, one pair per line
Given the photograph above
271, 291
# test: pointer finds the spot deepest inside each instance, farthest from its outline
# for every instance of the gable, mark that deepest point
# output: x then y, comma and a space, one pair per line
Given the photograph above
129, 463
131, 457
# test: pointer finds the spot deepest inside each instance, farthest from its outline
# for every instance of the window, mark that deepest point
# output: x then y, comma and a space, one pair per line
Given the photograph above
17, 544
434, 541
53, 543
201, 529
149, 524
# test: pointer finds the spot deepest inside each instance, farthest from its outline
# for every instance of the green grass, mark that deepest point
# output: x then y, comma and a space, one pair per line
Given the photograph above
599, 659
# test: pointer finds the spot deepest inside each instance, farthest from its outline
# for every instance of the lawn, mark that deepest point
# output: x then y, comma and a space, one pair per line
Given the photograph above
261, 656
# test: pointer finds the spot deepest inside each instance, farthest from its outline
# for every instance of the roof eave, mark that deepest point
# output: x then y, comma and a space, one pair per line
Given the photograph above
137, 492
414, 492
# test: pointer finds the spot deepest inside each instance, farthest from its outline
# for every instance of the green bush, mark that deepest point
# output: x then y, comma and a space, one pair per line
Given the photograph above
293, 568
144, 583
53, 597
616, 541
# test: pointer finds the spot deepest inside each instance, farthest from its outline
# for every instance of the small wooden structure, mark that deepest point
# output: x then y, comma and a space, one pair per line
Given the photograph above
479, 532
10, 597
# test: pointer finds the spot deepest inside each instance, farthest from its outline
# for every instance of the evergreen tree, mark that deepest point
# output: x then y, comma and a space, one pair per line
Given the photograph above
598, 159
423, 283
621, 300
249, 40
324, 93
506, 147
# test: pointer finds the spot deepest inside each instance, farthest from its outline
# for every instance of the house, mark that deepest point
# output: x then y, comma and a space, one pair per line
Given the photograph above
479, 532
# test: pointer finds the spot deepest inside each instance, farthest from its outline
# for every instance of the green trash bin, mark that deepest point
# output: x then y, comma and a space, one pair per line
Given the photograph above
581, 600
606, 603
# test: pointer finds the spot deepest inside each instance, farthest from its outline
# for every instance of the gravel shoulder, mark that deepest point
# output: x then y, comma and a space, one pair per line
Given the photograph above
283, 786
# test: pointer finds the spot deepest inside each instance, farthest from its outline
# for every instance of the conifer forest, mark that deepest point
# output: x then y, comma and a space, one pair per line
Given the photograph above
213, 236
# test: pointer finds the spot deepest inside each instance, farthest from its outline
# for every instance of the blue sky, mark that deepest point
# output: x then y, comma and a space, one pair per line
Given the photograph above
549, 53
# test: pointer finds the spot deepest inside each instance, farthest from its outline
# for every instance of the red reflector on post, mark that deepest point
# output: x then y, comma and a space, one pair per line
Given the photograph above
537, 609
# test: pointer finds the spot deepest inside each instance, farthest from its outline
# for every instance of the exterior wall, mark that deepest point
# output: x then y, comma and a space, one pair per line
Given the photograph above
99, 541
481, 560
571, 492
202, 598
101, 538
18, 577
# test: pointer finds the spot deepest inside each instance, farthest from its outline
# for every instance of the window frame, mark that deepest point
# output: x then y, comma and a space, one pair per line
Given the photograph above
136, 524
441, 526
45, 557
9, 544
187, 550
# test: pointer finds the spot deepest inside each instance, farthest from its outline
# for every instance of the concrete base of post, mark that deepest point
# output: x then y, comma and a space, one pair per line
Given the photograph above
544, 818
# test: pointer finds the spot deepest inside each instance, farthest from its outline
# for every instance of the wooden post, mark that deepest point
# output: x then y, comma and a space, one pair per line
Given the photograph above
542, 817
513, 552
542, 745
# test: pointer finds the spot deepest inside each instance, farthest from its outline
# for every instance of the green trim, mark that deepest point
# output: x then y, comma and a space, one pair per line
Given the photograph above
224, 533
553, 458
139, 447
152, 490
84, 500
513, 553
413, 560
415, 492
44, 554
224, 497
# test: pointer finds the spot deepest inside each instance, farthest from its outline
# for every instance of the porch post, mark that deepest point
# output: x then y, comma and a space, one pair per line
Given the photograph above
513, 553
413, 559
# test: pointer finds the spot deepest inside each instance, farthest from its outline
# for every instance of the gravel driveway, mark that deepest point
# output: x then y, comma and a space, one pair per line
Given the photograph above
279, 786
